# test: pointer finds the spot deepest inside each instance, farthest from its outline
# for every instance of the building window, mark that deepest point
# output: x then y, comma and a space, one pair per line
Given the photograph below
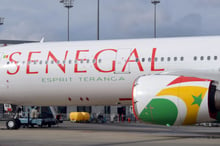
84, 109
107, 109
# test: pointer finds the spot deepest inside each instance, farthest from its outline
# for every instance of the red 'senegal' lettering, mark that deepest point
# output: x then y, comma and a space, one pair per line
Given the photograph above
153, 61
138, 62
96, 63
29, 61
78, 59
62, 67
15, 62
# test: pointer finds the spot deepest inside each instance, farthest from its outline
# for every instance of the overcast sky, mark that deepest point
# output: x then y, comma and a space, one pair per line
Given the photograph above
119, 19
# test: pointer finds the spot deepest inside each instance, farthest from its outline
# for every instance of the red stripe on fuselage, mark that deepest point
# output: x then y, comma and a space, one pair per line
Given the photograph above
183, 79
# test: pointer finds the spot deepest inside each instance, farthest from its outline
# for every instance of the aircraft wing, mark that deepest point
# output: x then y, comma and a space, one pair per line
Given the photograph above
15, 41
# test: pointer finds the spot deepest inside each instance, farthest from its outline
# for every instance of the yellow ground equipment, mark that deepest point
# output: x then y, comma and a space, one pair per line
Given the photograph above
79, 117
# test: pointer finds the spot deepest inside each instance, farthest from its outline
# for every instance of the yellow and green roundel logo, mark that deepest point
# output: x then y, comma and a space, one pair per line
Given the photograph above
160, 111
165, 107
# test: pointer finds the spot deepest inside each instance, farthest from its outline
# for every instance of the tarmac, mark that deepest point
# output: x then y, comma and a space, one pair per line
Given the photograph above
110, 134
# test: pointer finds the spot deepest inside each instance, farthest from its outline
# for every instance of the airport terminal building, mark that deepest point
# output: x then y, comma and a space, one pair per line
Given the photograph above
106, 111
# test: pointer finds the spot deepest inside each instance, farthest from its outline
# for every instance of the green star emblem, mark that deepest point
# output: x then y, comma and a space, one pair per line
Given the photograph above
197, 99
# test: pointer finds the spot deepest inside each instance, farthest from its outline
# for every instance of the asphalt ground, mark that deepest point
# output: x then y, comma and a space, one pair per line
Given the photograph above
110, 134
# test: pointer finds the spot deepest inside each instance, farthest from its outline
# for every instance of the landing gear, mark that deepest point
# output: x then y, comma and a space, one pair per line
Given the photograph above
13, 124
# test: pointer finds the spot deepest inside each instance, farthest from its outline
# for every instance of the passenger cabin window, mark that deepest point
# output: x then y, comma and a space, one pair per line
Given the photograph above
201, 58
195, 58
182, 58
208, 57
175, 58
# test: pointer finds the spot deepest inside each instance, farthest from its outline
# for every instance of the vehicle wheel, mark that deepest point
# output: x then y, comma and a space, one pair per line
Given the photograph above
41, 126
49, 125
13, 124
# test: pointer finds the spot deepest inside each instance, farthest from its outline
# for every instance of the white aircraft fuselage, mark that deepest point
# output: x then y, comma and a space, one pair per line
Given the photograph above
99, 72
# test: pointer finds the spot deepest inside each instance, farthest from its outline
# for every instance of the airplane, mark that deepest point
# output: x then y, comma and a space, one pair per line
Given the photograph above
168, 81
